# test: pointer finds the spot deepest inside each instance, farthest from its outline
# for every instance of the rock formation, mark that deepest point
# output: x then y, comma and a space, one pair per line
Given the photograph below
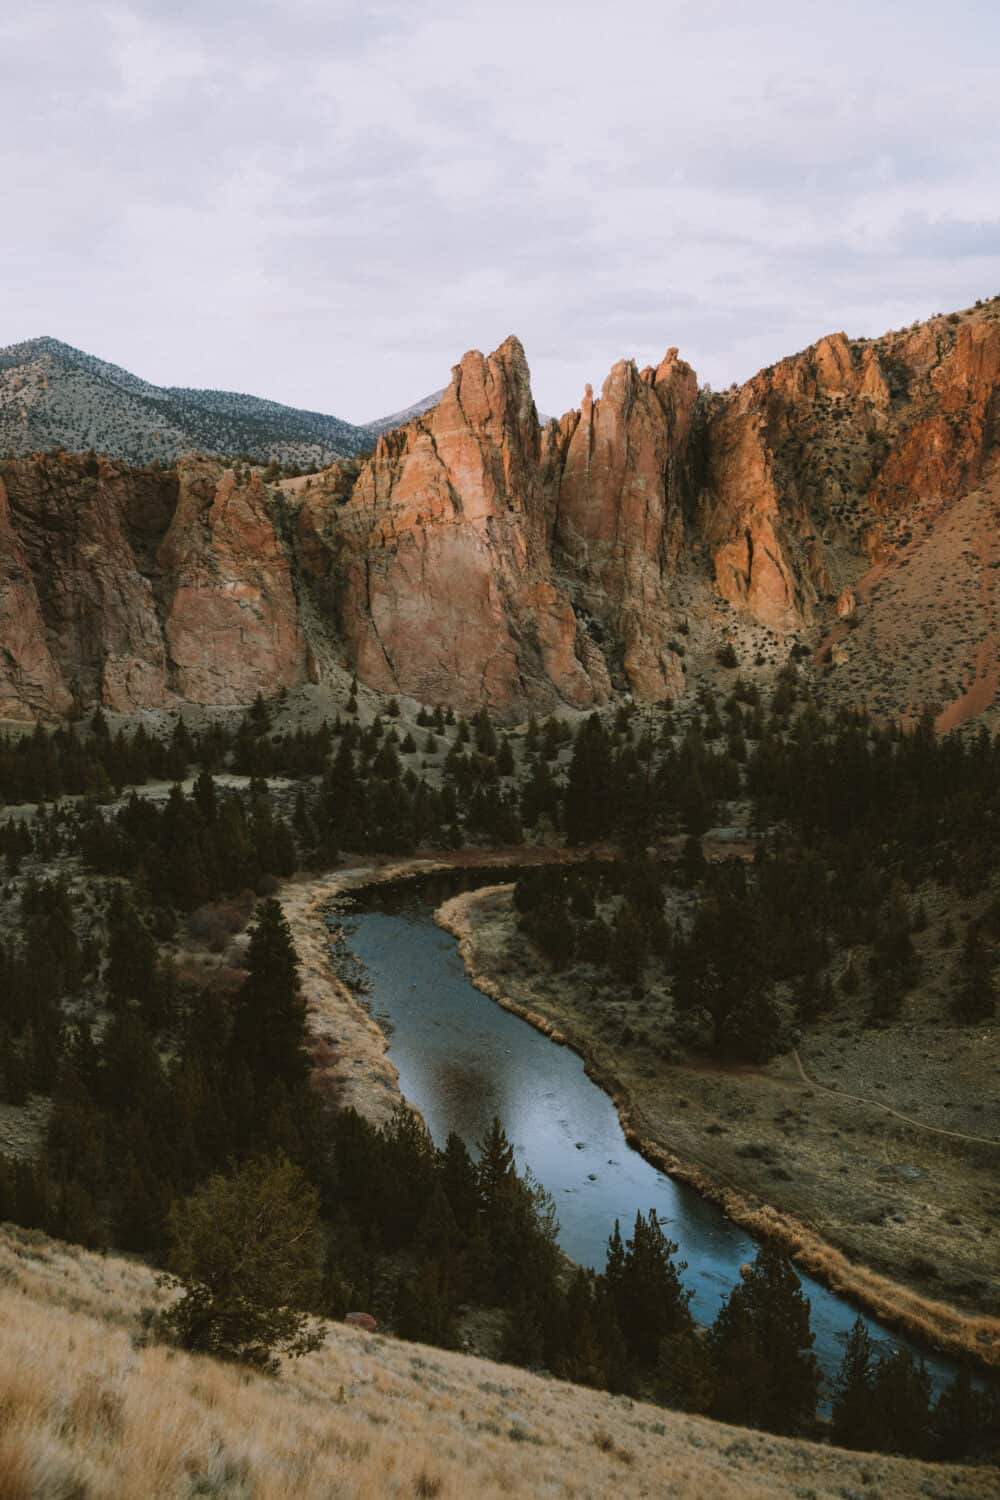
476, 557
619, 521
139, 588
444, 581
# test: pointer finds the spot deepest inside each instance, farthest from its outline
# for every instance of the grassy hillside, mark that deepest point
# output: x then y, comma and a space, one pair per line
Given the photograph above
93, 1411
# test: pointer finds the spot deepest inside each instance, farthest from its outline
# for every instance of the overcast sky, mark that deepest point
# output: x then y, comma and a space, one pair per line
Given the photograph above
328, 202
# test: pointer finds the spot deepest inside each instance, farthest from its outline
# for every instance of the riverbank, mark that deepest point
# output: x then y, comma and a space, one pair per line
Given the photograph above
350, 1051
778, 1157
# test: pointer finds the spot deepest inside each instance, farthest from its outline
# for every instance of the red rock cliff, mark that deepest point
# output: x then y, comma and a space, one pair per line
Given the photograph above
475, 558
137, 588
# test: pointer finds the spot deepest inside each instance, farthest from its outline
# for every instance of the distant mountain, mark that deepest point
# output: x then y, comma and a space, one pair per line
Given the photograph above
400, 418
55, 396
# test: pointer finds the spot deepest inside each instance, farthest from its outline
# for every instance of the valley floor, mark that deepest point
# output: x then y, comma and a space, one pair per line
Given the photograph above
91, 1408
902, 1219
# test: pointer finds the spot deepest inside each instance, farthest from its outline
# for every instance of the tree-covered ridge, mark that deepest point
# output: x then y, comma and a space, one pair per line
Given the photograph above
52, 395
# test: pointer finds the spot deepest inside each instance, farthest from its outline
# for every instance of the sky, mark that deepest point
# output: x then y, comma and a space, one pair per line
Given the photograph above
327, 203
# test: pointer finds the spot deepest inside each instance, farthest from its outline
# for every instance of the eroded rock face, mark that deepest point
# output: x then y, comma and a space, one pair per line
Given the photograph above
93, 630
30, 681
139, 588
230, 616
476, 558
619, 523
806, 462
445, 587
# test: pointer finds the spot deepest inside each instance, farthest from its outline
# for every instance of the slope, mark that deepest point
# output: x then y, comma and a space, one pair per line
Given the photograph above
52, 395
93, 1409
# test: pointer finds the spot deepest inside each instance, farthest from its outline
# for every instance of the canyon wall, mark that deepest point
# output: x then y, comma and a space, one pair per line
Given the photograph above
477, 557
140, 588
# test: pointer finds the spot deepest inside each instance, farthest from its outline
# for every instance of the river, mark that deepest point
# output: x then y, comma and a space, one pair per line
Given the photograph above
462, 1060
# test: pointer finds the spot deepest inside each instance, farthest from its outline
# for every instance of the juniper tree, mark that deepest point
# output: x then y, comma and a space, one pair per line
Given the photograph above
246, 1255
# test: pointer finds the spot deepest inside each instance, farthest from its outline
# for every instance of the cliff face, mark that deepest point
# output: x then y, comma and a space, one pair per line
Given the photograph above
444, 582
814, 462
623, 473
137, 588
476, 558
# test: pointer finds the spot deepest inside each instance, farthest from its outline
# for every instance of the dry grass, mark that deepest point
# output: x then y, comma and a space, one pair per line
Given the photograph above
89, 1411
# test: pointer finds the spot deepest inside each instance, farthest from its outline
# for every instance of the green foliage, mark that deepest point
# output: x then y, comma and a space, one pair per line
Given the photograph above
246, 1255
645, 1288
901, 1402
269, 1027
761, 1347
975, 994
854, 1423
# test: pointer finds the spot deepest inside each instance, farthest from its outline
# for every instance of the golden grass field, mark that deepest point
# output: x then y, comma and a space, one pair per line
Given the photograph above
90, 1411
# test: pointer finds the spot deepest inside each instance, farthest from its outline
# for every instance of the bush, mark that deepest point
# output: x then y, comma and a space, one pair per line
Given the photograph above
246, 1252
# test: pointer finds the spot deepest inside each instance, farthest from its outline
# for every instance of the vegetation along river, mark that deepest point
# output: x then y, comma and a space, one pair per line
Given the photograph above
462, 1060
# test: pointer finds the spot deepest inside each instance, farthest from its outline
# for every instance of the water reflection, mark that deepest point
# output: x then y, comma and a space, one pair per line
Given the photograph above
462, 1060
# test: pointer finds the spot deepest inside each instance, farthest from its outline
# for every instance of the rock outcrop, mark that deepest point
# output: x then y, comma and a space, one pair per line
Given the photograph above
476, 557
619, 522
140, 588
444, 583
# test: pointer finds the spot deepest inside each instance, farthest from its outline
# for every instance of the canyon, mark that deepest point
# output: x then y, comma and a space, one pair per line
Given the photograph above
478, 557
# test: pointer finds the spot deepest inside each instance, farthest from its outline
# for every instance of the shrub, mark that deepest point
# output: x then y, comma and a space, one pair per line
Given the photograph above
246, 1253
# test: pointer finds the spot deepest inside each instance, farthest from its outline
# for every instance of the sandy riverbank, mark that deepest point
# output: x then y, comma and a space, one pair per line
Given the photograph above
350, 1055
671, 1114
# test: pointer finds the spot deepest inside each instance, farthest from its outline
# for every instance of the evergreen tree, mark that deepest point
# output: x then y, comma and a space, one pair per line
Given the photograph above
589, 804
976, 996
966, 1420
853, 1417
269, 1028
685, 1379
901, 1404
644, 1282
132, 952
761, 1346
246, 1254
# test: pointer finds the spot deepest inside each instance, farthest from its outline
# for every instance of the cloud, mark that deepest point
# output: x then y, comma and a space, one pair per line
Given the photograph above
328, 202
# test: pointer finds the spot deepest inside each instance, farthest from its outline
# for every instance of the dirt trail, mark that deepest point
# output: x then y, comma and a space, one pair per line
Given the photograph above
956, 1135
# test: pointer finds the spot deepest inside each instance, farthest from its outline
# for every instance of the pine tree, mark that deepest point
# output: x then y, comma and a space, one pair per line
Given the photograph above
976, 997
685, 1379
966, 1420
495, 1170
269, 1029
853, 1423
458, 1177
762, 1348
132, 952
901, 1404
589, 800
650, 1302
